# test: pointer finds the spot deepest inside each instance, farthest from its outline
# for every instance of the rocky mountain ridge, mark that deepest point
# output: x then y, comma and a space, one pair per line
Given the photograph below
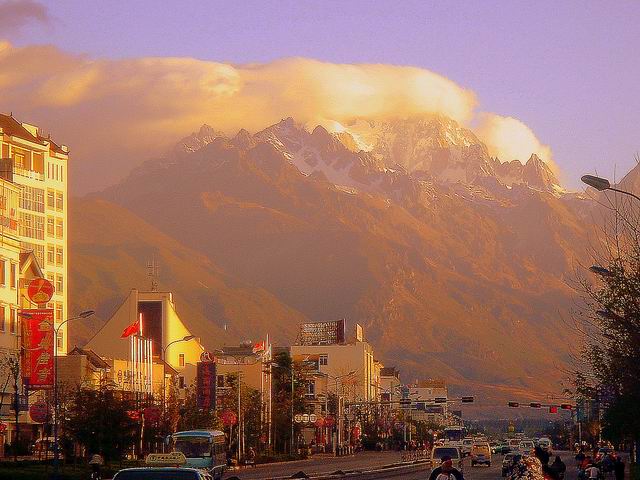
459, 279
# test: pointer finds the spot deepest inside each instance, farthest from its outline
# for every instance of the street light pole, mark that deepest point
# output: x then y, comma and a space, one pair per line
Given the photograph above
186, 338
602, 184
56, 454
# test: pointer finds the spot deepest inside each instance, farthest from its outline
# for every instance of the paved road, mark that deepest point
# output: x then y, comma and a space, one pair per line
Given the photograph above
490, 473
369, 460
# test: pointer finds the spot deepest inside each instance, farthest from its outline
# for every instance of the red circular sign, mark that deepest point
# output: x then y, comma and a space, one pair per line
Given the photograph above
319, 423
151, 414
329, 422
40, 290
39, 412
3, 427
229, 418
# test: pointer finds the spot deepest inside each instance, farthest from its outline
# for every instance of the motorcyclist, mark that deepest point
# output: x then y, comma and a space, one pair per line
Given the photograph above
446, 471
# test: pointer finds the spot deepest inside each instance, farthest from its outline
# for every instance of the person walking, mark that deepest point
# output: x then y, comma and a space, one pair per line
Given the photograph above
559, 467
618, 468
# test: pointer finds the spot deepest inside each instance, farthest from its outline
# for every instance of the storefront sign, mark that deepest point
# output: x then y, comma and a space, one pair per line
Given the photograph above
39, 412
206, 385
37, 340
40, 290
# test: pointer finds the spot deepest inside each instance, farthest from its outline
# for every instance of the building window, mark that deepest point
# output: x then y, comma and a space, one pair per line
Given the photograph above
59, 256
310, 389
323, 359
52, 278
181, 360
58, 317
32, 198
59, 284
59, 228
2, 317
51, 255
60, 341
19, 160
51, 226
13, 276
59, 201
3, 272
181, 383
13, 327
51, 199
32, 226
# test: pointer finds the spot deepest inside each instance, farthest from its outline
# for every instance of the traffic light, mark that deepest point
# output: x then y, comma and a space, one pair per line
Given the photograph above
566, 406
535, 405
514, 404
553, 409
467, 399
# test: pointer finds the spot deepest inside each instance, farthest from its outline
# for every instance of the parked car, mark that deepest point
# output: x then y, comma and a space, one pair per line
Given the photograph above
480, 454
526, 446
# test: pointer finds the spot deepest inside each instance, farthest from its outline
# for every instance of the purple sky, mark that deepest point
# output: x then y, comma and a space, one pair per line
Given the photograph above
569, 70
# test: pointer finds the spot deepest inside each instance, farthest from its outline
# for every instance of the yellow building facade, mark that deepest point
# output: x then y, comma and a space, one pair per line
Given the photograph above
160, 323
39, 168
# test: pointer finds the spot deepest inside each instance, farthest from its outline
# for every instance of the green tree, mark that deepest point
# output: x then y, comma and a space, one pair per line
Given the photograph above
99, 420
191, 417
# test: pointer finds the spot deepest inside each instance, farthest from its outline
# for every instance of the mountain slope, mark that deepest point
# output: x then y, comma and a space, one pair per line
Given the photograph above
463, 279
111, 247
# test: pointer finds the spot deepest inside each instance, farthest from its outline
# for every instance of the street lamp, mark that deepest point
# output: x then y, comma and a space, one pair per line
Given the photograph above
186, 338
339, 414
602, 184
602, 271
56, 454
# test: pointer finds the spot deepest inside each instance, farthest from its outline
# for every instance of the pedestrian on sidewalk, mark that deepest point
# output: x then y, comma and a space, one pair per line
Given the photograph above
618, 468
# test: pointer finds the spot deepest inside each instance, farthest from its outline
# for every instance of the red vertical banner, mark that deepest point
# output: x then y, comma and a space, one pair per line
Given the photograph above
37, 341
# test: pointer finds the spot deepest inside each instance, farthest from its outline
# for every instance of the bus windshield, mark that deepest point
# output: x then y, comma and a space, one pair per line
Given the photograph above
193, 447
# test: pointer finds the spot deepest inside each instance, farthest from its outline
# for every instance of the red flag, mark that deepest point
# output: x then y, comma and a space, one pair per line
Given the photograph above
259, 347
132, 329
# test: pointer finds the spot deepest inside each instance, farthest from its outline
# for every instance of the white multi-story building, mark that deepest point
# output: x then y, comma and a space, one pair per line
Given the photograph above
39, 168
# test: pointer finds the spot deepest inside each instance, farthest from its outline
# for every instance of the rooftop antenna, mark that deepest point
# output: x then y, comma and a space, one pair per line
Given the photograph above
153, 272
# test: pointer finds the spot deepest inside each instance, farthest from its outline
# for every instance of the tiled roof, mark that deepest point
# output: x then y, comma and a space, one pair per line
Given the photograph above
14, 128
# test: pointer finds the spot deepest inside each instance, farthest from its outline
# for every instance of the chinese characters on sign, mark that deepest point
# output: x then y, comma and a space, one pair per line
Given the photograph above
322, 333
37, 339
206, 383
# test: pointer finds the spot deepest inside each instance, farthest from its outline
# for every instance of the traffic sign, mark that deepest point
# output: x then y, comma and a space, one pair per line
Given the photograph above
39, 412
297, 418
305, 418
312, 418
40, 290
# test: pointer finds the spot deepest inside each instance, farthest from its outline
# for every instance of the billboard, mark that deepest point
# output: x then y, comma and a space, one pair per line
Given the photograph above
322, 333
37, 341
206, 385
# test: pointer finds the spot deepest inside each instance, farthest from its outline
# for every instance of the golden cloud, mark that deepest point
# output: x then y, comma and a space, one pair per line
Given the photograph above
114, 114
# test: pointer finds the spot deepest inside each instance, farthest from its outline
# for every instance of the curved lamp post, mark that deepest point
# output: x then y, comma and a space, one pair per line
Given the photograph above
602, 184
56, 454
186, 338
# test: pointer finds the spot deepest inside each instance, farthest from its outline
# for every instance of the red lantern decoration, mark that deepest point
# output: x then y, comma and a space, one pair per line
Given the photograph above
229, 418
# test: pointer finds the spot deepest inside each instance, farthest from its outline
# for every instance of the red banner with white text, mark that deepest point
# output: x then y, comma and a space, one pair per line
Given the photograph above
37, 341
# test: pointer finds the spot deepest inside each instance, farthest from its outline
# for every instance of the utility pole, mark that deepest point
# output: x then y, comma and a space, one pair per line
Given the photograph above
14, 365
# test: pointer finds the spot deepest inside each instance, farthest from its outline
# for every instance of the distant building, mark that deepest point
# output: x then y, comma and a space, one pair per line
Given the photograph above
38, 165
390, 384
163, 328
430, 399
337, 356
